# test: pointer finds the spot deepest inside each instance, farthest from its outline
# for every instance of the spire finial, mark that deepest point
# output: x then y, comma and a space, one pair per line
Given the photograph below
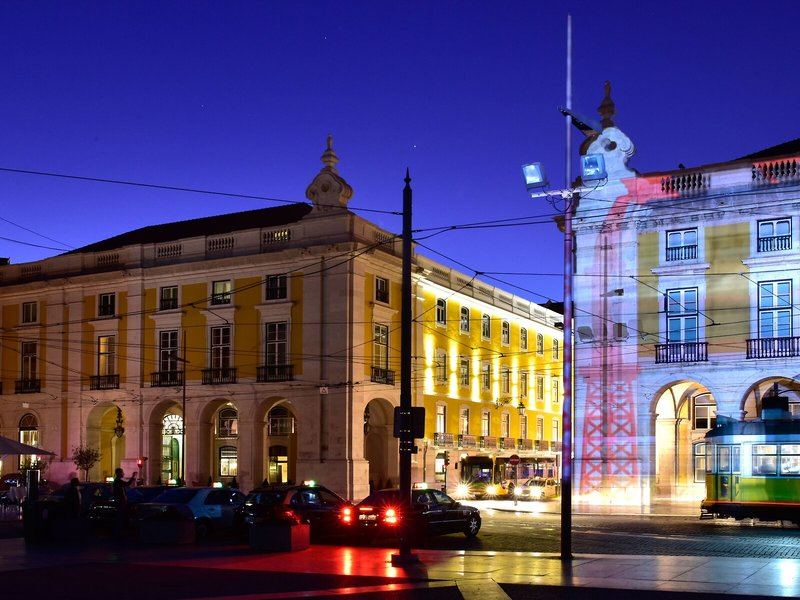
329, 158
607, 109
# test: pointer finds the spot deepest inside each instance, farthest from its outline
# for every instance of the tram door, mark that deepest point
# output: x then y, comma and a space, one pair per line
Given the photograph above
725, 472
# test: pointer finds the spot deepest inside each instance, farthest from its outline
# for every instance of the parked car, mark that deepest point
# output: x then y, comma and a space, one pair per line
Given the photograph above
91, 491
213, 508
102, 510
537, 488
328, 513
432, 512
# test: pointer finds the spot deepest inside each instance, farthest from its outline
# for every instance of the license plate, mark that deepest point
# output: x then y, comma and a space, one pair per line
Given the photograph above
367, 517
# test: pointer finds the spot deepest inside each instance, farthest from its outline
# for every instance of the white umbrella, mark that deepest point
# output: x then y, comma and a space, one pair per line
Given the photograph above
9, 446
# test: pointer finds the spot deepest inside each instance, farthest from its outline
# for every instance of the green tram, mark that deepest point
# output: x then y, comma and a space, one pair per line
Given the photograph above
753, 467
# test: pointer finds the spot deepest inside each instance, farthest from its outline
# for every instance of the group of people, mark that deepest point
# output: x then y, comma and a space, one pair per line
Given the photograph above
73, 501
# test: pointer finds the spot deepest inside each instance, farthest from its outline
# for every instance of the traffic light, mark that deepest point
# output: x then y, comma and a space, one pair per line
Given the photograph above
446, 458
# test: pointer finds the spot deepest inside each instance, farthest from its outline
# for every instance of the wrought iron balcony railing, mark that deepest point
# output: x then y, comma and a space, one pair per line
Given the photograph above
524, 444
488, 442
27, 386
467, 441
780, 347
443, 439
380, 375
508, 443
217, 376
682, 352
166, 379
271, 373
104, 382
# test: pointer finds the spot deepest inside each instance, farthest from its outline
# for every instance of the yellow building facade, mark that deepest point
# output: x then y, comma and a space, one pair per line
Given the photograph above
264, 346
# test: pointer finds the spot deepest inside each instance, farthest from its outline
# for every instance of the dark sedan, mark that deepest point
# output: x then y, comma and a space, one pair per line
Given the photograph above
326, 512
432, 512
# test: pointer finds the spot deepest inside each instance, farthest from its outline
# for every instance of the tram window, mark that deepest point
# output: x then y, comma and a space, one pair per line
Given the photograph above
765, 459
736, 459
790, 459
710, 458
724, 459
699, 463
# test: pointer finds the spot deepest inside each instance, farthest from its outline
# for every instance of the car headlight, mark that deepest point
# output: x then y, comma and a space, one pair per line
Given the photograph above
518, 491
491, 490
462, 489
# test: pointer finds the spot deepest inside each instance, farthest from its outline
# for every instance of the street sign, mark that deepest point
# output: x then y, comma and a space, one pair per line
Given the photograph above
513, 459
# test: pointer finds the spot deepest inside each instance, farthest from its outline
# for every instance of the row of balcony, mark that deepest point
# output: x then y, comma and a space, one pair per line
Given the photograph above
487, 442
781, 347
777, 243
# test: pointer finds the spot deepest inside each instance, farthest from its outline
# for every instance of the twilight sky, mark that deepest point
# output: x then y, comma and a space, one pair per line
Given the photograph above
239, 97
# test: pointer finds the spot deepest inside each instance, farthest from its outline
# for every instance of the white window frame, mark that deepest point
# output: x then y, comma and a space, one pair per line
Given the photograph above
380, 346
220, 346
440, 366
441, 418
772, 304
523, 338
486, 327
463, 421
30, 312
276, 287
221, 292
382, 290
505, 333
523, 384
486, 376
441, 312
464, 322
463, 371
539, 344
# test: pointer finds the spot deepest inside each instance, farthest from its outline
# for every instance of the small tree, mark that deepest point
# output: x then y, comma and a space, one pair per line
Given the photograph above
85, 458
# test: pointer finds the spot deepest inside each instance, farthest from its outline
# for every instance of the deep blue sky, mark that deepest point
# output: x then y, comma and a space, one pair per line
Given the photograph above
240, 96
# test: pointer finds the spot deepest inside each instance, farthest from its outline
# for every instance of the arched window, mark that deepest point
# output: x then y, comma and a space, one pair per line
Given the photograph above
28, 434
464, 319
280, 422
539, 343
228, 422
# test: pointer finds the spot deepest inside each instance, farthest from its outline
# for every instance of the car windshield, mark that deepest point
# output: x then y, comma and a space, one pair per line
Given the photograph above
535, 482
380, 498
176, 495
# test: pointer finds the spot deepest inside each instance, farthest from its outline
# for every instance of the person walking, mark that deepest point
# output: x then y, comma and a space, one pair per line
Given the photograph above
119, 491
73, 506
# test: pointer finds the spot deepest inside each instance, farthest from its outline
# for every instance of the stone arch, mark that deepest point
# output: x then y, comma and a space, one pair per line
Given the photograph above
750, 403
277, 435
99, 424
164, 447
681, 412
380, 445
206, 461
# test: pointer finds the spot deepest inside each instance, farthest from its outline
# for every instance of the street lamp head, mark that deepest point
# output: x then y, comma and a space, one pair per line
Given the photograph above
535, 177
521, 408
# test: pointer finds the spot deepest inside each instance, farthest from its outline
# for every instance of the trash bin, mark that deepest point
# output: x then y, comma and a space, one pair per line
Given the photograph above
35, 522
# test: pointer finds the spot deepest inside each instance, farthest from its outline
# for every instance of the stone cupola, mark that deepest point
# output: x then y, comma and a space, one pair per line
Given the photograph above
329, 191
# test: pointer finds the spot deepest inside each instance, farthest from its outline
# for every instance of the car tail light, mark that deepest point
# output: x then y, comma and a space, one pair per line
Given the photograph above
390, 516
347, 514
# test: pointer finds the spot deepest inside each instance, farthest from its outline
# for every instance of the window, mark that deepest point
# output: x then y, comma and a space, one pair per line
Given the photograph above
221, 292
463, 421
523, 338
523, 427
486, 376
682, 244
699, 461
539, 343
276, 343
168, 351
380, 346
381, 289
106, 353
705, 414
169, 298
486, 420
765, 459
555, 432
540, 387
486, 327
463, 371
28, 434
464, 319
228, 422
505, 380
228, 463
555, 349
28, 370
441, 366
505, 333
775, 235
275, 287
30, 312
441, 311
539, 428
555, 391
790, 459
505, 425
106, 305
523, 384
774, 309
441, 418
681, 309
221, 347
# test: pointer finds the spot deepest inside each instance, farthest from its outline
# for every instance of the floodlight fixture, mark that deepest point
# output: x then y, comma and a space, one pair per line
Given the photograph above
535, 177
593, 167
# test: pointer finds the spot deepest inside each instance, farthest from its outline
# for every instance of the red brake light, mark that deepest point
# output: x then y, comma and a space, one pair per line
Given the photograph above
347, 514
390, 516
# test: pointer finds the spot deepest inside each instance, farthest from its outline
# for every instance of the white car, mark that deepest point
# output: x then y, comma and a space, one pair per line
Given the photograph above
213, 508
537, 488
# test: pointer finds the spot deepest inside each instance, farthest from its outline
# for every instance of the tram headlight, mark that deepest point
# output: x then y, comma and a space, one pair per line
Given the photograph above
491, 490
462, 490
